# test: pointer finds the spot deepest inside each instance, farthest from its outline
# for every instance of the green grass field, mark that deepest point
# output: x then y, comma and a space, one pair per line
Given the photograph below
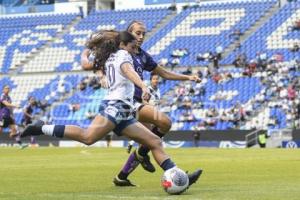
86, 173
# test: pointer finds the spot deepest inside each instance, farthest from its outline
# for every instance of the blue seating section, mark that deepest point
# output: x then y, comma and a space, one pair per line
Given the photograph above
279, 115
121, 19
277, 27
21, 35
200, 34
202, 29
96, 20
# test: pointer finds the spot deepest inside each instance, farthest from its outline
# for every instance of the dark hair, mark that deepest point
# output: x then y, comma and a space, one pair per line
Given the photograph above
125, 37
102, 44
130, 26
153, 74
105, 43
97, 37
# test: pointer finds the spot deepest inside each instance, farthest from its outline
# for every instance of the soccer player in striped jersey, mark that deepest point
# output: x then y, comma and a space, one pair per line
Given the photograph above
147, 114
116, 112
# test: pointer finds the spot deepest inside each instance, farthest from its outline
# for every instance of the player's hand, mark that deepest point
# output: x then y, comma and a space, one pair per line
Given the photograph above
104, 82
17, 106
195, 78
146, 94
102, 79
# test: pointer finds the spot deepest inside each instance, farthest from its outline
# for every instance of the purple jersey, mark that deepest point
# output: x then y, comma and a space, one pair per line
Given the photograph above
142, 61
4, 110
28, 109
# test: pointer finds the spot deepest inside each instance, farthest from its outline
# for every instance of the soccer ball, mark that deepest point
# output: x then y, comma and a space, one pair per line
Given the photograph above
175, 181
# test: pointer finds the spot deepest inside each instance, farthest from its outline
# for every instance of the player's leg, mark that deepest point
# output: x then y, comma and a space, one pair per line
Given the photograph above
13, 127
99, 127
147, 115
15, 133
162, 125
132, 163
142, 135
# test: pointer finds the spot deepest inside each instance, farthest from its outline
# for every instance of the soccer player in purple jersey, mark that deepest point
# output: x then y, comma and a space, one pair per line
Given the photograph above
6, 112
148, 114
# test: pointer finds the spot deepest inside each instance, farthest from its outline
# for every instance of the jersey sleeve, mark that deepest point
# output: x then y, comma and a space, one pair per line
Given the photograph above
150, 63
3, 98
124, 57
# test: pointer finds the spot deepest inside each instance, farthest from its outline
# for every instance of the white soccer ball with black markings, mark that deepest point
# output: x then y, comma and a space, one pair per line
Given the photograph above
175, 181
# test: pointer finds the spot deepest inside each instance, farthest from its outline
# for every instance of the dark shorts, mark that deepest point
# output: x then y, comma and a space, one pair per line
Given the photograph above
6, 121
118, 112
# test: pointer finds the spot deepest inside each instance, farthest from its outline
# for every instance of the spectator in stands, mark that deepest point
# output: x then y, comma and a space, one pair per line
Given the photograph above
212, 112
174, 62
94, 82
295, 26
164, 62
295, 48
236, 34
187, 103
90, 115
74, 107
187, 116
217, 77
83, 83
240, 61
200, 126
188, 71
291, 92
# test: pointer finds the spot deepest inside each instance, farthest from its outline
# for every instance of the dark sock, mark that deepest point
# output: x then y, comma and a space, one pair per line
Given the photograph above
167, 164
130, 165
59, 131
143, 150
18, 139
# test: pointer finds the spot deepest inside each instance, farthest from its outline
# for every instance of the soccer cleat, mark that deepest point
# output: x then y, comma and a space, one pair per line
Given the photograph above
193, 177
33, 129
145, 162
23, 146
129, 147
122, 183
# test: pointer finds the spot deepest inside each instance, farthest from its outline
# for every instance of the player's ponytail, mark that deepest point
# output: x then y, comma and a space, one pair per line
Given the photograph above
102, 44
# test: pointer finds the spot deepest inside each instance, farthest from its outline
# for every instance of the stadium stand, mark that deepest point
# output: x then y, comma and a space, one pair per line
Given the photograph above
202, 29
257, 95
22, 36
275, 36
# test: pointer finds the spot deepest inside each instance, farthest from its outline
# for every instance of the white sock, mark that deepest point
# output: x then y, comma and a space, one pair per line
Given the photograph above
48, 129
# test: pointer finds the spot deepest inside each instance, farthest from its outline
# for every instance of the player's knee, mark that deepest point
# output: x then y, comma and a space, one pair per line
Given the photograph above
165, 124
88, 140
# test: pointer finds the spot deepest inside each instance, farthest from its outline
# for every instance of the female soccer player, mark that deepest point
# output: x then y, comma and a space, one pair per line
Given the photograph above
6, 114
116, 111
147, 114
